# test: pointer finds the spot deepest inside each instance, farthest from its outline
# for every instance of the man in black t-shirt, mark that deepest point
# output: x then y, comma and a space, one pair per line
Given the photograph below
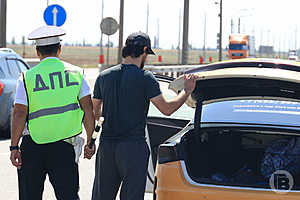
122, 95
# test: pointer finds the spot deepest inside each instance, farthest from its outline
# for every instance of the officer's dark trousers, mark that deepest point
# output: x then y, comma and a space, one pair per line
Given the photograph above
55, 159
119, 162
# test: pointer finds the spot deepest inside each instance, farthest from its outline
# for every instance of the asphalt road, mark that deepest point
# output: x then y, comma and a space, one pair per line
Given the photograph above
8, 173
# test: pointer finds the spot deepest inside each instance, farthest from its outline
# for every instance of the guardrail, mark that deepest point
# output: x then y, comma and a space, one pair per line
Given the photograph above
170, 70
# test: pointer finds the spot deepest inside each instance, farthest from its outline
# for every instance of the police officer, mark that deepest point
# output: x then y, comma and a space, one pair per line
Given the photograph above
52, 100
122, 95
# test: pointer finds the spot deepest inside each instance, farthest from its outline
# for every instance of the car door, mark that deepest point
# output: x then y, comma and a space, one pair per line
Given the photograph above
160, 127
11, 67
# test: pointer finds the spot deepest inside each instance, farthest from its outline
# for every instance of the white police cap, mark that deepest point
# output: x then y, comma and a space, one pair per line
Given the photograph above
46, 35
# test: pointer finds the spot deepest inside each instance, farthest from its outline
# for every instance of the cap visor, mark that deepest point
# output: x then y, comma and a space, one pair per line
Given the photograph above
150, 51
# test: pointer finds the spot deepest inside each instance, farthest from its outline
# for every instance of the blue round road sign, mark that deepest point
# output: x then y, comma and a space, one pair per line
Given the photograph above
55, 15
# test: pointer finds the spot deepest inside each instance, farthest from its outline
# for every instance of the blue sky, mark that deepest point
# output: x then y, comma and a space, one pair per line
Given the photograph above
272, 22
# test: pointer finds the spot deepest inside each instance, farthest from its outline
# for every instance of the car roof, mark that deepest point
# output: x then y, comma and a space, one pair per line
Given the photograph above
227, 81
4, 52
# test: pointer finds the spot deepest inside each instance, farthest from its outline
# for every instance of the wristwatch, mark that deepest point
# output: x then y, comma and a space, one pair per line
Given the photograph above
11, 148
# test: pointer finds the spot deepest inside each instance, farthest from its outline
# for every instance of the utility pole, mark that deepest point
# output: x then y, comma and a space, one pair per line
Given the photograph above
121, 31
157, 37
23, 44
245, 13
296, 30
179, 35
261, 41
284, 45
185, 38
147, 23
204, 38
220, 33
3, 6
101, 37
279, 46
268, 39
232, 27
239, 26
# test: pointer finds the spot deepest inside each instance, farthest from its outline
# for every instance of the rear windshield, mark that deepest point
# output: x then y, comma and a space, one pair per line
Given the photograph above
184, 112
269, 112
238, 47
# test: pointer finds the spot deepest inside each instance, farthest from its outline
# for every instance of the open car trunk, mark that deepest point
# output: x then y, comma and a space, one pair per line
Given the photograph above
239, 157
229, 97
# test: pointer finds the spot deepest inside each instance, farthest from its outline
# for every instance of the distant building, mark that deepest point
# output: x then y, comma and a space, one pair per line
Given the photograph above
266, 49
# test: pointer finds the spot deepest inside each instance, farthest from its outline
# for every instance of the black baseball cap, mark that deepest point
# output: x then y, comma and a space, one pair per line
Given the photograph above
140, 39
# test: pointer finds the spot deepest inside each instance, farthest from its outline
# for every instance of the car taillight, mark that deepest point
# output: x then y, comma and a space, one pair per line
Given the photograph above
1, 88
167, 153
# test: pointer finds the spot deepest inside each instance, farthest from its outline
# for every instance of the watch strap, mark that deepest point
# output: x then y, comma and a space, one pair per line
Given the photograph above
11, 148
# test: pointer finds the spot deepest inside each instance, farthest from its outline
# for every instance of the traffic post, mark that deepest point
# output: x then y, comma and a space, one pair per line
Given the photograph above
201, 60
101, 62
101, 59
160, 58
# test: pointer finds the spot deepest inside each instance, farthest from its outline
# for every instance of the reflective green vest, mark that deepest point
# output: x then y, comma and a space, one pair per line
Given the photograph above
53, 106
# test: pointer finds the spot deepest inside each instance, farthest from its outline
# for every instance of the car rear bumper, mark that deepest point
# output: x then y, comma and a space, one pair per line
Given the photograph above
173, 184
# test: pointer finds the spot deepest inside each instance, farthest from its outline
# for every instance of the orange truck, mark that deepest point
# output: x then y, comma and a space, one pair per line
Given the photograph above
241, 46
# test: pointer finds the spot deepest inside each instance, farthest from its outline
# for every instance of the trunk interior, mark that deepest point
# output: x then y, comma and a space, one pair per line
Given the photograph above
235, 157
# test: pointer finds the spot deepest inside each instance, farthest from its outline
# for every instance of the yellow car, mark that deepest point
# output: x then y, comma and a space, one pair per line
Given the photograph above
244, 141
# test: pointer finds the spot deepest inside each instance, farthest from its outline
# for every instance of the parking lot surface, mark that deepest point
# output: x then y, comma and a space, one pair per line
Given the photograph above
8, 173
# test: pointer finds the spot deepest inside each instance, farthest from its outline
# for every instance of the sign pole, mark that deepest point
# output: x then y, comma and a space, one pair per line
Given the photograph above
185, 35
220, 42
23, 43
179, 35
3, 8
108, 26
121, 31
101, 38
107, 54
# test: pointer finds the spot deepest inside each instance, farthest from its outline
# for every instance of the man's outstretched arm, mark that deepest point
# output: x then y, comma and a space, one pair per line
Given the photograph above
168, 107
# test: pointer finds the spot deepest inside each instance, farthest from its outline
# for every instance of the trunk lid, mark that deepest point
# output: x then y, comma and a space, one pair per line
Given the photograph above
225, 82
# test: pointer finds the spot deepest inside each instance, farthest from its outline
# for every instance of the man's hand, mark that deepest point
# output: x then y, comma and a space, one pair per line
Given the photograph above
167, 107
15, 158
189, 83
88, 153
